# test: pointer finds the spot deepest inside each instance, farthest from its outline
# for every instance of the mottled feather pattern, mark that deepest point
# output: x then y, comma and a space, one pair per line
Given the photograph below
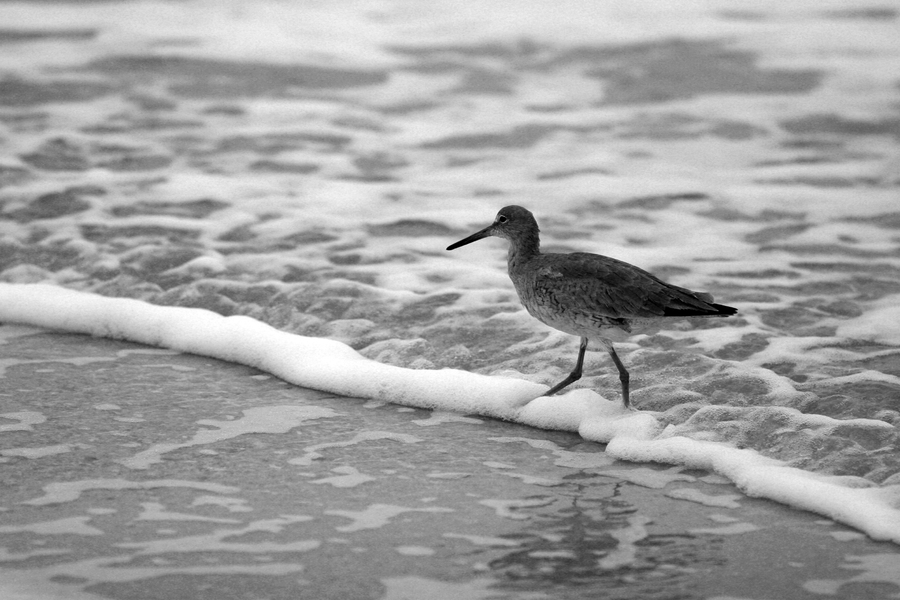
605, 289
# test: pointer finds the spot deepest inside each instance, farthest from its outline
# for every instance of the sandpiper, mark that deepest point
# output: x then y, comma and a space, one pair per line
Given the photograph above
595, 297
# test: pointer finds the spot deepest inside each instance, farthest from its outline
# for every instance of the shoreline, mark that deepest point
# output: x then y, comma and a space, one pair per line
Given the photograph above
406, 498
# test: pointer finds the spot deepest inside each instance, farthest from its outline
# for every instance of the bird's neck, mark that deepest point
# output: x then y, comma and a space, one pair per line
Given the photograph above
522, 250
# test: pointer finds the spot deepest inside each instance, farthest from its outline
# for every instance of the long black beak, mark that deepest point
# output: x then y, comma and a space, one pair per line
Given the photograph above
486, 232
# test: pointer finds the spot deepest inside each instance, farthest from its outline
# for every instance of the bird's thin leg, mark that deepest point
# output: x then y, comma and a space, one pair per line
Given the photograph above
575, 375
623, 374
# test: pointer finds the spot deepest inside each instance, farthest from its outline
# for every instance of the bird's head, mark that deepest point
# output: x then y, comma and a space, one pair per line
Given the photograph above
513, 223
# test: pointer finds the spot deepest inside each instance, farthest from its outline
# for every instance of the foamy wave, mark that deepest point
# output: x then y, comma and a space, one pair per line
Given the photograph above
330, 365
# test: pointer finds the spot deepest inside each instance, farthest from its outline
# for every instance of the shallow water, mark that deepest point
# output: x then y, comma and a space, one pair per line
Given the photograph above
229, 483
307, 165
316, 191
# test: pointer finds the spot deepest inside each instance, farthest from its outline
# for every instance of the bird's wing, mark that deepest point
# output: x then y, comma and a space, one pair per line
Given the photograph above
606, 287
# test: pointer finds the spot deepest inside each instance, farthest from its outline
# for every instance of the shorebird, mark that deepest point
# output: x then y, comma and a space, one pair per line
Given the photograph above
594, 297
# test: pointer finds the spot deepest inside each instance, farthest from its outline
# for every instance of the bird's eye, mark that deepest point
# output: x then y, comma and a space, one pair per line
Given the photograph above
502, 219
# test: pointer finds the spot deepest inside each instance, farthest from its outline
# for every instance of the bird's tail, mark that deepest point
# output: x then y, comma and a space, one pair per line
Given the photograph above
723, 310
697, 304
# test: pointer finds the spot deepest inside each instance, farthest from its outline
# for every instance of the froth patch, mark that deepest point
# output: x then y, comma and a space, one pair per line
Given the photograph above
880, 325
264, 419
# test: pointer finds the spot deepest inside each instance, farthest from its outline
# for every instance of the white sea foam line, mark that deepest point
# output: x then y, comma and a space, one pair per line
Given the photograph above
332, 366
869, 509
309, 362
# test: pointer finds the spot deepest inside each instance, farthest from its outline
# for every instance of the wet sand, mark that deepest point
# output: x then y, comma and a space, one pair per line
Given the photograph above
134, 472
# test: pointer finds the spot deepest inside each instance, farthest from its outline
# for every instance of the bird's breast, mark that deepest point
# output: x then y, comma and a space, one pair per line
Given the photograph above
557, 309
